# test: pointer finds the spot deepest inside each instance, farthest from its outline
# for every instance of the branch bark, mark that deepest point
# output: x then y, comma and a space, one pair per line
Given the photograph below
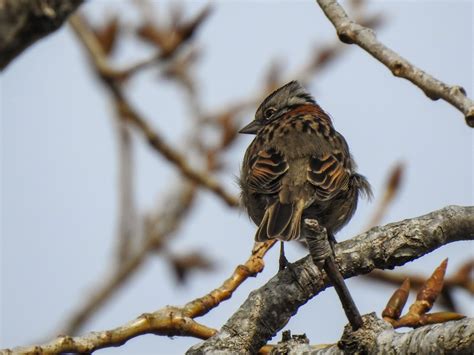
22, 22
378, 337
351, 32
269, 308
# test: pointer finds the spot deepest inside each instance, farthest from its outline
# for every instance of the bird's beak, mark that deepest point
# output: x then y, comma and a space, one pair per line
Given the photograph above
252, 128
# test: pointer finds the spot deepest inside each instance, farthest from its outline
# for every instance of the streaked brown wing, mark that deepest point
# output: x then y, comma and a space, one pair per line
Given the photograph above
328, 175
266, 170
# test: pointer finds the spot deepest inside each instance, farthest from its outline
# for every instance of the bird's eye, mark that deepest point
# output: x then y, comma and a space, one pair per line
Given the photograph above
269, 112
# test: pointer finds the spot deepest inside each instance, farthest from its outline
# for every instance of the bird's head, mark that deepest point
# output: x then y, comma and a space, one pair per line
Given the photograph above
277, 104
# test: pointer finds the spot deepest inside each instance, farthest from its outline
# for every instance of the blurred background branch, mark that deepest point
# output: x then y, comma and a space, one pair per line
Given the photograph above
23, 22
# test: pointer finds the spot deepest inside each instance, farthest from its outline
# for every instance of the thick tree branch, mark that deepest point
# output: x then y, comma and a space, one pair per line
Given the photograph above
378, 337
269, 308
351, 32
22, 22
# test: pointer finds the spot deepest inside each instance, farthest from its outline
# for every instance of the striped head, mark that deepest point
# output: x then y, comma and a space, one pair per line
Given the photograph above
277, 104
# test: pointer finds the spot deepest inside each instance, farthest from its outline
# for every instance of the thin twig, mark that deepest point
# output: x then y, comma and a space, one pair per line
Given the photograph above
351, 32
167, 321
252, 266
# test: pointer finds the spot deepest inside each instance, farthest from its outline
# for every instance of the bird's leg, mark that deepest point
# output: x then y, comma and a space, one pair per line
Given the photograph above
283, 260
322, 253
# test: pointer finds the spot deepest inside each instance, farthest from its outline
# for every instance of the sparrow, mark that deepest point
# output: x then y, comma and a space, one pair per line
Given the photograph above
297, 166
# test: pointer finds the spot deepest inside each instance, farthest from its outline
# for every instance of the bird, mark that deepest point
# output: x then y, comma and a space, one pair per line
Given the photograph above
297, 167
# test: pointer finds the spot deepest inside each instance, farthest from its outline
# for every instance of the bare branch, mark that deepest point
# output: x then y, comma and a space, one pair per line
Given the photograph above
269, 308
158, 228
252, 266
127, 219
23, 22
168, 321
158, 143
351, 32
108, 75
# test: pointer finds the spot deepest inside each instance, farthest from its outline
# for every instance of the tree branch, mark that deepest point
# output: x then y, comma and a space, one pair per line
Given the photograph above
22, 22
351, 32
158, 229
127, 216
378, 337
110, 78
269, 308
168, 321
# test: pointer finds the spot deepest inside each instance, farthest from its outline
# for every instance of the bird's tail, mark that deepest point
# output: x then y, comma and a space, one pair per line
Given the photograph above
360, 182
281, 221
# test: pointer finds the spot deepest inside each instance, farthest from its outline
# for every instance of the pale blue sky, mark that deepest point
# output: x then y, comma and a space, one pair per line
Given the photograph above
59, 161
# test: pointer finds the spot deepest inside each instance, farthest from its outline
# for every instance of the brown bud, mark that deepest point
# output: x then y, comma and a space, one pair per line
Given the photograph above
433, 286
108, 34
398, 300
440, 317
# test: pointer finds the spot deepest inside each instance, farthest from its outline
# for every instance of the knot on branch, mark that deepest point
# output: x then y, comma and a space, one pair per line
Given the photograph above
345, 33
290, 343
457, 90
364, 339
470, 117
398, 68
